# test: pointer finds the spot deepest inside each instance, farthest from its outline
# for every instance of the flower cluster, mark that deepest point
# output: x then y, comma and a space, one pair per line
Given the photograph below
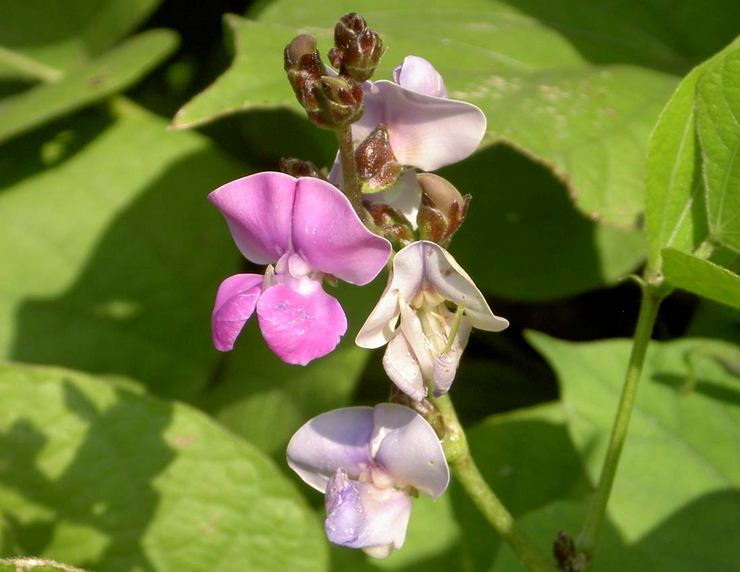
369, 462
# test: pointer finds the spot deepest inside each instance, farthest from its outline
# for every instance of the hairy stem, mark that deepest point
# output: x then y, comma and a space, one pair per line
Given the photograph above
651, 298
349, 170
464, 468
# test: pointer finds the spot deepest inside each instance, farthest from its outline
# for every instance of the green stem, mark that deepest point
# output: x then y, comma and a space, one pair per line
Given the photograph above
652, 296
349, 170
464, 468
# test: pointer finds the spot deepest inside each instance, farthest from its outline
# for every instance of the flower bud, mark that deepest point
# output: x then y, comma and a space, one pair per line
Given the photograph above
330, 102
377, 166
300, 168
357, 48
443, 208
392, 223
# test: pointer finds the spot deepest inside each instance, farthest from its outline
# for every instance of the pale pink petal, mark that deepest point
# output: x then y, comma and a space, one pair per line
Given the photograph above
381, 323
235, 301
258, 210
404, 196
372, 116
445, 365
300, 327
417, 74
361, 515
331, 237
339, 439
453, 283
408, 449
413, 332
403, 369
429, 132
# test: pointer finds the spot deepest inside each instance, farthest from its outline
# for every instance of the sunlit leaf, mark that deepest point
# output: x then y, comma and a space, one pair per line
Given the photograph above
101, 77
683, 434
578, 85
701, 277
718, 108
114, 250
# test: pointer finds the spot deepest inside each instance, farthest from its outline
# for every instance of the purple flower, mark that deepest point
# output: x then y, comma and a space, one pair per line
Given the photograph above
427, 346
306, 228
426, 129
367, 460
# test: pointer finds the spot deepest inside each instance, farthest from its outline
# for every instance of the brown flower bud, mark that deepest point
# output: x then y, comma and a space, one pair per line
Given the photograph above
330, 102
357, 48
443, 208
392, 223
300, 168
377, 166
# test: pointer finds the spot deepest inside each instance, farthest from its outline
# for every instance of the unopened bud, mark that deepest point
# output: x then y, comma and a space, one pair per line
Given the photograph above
443, 208
377, 166
330, 102
357, 48
392, 223
300, 168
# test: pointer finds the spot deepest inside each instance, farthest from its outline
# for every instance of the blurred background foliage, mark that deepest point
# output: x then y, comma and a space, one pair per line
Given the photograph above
128, 443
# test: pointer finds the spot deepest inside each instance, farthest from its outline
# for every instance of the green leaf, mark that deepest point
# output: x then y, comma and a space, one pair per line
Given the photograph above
512, 242
701, 277
101, 77
674, 201
116, 252
578, 85
41, 33
104, 478
718, 109
683, 434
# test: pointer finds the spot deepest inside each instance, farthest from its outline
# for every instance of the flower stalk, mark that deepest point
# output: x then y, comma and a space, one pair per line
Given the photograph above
351, 184
652, 296
455, 446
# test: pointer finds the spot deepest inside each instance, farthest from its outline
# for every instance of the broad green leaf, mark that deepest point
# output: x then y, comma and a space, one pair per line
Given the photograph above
101, 77
114, 252
36, 565
674, 201
578, 85
684, 431
718, 109
513, 242
38, 33
701, 277
107, 479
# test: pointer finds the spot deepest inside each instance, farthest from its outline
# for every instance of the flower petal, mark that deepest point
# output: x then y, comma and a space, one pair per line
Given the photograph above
259, 211
331, 237
339, 439
404, 281
300, 326
403, 369
429, 132
235, 301
404, 196
451, 281
414, 333
418, 75
361, 515
408, 449
445, 365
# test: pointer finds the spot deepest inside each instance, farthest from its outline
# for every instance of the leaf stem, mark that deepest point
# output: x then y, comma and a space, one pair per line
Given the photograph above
652, 296
349, 170
458, 454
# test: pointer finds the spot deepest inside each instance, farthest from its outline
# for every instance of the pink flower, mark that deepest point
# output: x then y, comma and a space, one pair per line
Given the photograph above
306, 228
426, 130
367, 460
